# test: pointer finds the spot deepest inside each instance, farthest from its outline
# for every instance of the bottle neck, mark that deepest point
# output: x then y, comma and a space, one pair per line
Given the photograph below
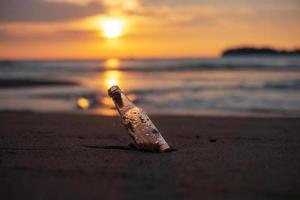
122, 103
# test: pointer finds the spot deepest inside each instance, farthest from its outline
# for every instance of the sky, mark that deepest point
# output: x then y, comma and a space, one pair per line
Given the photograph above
73, 29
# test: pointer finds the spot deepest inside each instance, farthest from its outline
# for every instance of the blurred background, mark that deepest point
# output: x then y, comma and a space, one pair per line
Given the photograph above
205, 57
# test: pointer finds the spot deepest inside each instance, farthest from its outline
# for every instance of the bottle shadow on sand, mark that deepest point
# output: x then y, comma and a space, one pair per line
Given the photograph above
130, 147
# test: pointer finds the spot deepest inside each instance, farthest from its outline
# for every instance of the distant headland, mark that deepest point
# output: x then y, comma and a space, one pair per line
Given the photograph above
252, 51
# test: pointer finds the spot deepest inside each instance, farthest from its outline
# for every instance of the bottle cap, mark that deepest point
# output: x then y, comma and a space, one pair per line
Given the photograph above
113, 90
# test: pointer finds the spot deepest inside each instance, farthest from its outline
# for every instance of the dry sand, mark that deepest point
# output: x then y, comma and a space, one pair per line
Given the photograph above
68, 156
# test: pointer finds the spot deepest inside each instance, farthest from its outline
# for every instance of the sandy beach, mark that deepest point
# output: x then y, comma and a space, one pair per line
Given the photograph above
73, 156
219, 79
23, 83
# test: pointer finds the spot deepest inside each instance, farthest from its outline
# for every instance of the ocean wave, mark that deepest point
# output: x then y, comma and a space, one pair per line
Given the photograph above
173, 65
278, 85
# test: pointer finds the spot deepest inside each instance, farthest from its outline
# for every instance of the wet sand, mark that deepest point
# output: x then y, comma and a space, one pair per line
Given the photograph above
21, 83
69, 156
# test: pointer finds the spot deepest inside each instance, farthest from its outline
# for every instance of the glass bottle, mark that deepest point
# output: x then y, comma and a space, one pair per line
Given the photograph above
141, 129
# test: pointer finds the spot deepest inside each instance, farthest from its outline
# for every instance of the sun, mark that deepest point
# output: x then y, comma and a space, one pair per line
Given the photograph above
112, 28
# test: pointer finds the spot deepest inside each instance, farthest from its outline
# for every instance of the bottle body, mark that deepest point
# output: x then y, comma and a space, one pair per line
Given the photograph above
141, 129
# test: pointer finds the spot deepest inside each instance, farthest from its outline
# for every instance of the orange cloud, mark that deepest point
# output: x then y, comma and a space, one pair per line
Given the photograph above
45, 11
155, 29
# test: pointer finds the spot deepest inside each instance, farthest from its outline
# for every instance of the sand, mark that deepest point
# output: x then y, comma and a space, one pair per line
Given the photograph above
21, 83
73, 156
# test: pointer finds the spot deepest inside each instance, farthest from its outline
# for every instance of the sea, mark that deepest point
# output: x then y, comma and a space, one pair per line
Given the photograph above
228, 86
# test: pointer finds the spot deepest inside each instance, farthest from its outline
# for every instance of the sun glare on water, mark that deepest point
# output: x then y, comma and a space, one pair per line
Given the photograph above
112, 28
111, 78
112, 63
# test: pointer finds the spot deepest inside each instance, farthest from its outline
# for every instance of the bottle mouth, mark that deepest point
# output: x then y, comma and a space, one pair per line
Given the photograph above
112, 90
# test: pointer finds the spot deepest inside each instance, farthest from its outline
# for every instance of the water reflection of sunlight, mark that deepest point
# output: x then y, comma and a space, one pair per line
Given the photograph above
112, 63
112, 75
111, 78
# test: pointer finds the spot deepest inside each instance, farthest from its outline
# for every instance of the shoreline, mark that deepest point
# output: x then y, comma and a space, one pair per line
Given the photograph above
33, 82
113, 113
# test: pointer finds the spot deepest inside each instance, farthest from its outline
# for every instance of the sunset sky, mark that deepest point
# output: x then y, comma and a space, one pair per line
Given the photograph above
82, 29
